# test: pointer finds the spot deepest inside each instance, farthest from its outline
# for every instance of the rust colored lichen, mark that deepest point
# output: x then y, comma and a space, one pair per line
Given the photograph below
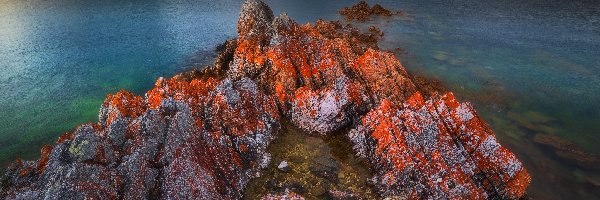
447, 144
204, 133
123, 104
64, 137
43, 162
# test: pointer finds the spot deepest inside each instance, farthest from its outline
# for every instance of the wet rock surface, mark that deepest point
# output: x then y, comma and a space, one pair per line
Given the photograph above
283, 166
206, 133
336, 194
429, 86
288, 196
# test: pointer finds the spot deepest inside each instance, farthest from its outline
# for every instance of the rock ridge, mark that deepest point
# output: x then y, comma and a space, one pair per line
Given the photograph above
203, 134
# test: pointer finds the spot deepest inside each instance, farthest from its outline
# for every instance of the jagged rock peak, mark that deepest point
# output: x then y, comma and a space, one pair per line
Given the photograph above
255, 18
282, 21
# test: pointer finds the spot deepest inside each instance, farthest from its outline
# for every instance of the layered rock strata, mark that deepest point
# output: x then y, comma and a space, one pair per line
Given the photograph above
437, 149
204, 134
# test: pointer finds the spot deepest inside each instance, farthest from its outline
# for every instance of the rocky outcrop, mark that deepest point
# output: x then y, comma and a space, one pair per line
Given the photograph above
204, 133
362, 11
183, 139
438, 149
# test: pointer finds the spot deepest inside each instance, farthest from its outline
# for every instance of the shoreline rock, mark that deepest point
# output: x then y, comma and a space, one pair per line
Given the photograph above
437, 148
361, 11
204, 133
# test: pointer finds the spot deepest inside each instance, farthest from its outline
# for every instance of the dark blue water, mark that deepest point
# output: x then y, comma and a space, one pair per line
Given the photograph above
530, 67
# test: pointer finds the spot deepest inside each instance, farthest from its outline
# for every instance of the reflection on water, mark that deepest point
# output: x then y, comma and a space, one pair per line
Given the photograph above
530, 67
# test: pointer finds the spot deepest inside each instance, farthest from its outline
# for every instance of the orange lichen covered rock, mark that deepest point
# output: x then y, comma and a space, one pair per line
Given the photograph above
212, 135
327, 109
235, 102
437, 148
316, 73
64, 137
254, 31
123, 104
383, 74
205, 133
194, 92
43, 162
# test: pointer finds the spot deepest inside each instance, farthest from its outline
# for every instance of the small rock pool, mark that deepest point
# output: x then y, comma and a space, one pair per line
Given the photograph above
318, 165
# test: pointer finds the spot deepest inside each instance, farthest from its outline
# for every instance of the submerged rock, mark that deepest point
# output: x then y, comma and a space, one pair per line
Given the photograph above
288, 196
326, 168
342, 195
283, 166
429, 86
569, 151
204, 134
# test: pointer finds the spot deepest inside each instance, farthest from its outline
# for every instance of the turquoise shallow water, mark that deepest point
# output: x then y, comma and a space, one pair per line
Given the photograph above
529, 67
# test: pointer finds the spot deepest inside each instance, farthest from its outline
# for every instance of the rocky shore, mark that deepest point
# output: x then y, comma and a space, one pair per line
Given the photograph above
203, 134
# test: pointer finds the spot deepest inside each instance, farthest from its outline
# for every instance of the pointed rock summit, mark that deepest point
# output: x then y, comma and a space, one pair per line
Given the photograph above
255, 18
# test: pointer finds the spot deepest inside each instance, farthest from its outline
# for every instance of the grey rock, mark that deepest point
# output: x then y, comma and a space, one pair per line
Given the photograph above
283, 166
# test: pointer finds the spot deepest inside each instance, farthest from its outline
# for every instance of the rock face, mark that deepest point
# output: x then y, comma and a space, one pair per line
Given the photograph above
438, 149
204, 134
183, 139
